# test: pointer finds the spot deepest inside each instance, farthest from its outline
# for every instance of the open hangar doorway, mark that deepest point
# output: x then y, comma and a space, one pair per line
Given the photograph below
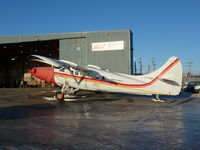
14, 62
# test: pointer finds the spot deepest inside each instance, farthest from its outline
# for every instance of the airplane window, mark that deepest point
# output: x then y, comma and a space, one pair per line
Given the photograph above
98, 76
87, 74
62, 69
76, 72
72, 71
82, 74
66, 71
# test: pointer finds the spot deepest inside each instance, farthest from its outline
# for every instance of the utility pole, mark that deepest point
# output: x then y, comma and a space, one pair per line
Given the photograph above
189, 65
140, 63
149, 68
135, 67
154, 64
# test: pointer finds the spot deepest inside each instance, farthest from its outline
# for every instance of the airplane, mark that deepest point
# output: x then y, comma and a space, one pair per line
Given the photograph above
71, 77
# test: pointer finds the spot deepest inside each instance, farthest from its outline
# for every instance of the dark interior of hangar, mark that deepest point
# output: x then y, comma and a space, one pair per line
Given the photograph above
14, 60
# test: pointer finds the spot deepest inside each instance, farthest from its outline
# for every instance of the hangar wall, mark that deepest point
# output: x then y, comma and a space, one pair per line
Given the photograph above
114, 51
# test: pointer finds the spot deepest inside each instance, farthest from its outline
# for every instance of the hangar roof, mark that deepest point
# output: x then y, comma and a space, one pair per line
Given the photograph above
45, 37
38, 37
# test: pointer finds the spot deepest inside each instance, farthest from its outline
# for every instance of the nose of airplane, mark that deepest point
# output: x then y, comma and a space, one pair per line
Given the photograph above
44, 73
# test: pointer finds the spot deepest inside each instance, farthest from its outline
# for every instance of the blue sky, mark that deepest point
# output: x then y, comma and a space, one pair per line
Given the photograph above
162, 28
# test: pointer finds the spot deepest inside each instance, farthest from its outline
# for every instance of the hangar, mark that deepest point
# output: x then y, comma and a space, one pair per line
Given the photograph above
106, 49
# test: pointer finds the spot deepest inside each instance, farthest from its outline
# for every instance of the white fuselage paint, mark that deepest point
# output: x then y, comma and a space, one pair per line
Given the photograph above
116, 82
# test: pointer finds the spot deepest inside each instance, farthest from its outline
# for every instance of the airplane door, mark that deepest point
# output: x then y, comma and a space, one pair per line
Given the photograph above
81, 81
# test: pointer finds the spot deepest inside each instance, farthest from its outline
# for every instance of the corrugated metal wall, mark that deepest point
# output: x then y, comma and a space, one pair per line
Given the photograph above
74, 50
79, 50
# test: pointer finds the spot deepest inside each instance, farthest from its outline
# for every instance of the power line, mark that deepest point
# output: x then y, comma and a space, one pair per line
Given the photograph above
189, 65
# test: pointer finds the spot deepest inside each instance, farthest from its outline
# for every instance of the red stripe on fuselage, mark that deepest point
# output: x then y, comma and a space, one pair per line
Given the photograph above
122, 84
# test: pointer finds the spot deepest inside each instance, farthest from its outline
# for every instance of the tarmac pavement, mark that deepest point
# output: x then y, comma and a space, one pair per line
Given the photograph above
99, 121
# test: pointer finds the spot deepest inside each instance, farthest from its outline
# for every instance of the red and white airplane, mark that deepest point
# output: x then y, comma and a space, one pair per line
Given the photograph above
71, 77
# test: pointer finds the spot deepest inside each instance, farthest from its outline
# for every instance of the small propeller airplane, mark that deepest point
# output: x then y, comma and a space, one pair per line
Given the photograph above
71, 78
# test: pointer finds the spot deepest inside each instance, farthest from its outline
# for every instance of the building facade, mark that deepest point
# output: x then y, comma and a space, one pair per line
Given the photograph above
107, 49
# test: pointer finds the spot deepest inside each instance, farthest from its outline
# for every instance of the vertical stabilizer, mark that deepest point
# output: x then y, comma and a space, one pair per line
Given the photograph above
168, 78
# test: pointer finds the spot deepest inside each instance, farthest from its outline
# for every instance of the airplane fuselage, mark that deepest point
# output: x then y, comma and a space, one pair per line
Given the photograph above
166, 80
107, 81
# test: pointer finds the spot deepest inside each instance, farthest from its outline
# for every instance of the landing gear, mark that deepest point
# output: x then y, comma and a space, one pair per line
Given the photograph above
157, 99
67, 93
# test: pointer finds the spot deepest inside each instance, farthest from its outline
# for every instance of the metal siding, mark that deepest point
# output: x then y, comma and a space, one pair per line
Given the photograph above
119, 60
69, 50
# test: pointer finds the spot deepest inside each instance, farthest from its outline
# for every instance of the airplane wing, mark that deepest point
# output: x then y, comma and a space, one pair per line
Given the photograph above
50, 61
62, 63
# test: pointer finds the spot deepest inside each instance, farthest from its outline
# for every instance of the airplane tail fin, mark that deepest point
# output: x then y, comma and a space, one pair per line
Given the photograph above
168, 78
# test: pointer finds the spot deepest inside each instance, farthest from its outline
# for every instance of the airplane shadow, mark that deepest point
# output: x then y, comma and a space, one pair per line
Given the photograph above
35, 110
183, 98
25, 111
185, 101
47, 109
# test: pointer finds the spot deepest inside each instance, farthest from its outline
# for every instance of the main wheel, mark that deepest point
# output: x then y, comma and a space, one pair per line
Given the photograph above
58, 96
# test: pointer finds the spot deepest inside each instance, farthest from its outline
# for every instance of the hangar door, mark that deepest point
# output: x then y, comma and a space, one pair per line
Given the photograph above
74, 49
